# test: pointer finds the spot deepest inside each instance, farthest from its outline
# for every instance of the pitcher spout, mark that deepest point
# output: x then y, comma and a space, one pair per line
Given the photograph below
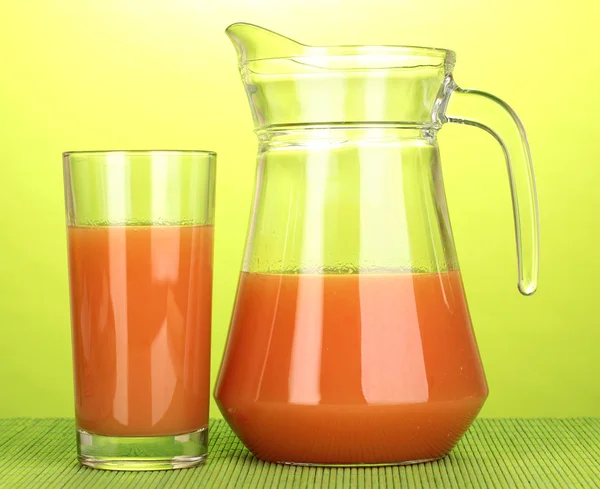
253, 43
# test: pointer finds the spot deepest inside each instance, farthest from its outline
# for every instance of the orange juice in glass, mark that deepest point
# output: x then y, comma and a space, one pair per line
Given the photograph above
140, 241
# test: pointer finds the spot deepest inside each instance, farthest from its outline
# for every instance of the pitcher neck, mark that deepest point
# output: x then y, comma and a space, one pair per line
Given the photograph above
289, 83
339, 133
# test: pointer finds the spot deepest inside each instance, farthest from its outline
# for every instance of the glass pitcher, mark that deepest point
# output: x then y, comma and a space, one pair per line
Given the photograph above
351, 341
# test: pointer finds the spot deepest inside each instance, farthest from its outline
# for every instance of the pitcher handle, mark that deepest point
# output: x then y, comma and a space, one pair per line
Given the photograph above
488, 112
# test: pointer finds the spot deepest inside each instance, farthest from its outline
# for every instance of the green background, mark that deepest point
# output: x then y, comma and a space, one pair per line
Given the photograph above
82, 74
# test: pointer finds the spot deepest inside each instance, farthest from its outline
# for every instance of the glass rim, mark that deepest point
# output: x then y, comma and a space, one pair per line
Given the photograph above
141, 152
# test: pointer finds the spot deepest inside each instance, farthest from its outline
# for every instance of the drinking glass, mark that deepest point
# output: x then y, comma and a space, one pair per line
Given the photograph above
140, 245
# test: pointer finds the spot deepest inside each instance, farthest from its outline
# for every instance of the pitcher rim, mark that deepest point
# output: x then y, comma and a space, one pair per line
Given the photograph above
442, 54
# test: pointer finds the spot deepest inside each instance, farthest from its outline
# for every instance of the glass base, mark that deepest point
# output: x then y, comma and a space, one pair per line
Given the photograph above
142, 452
